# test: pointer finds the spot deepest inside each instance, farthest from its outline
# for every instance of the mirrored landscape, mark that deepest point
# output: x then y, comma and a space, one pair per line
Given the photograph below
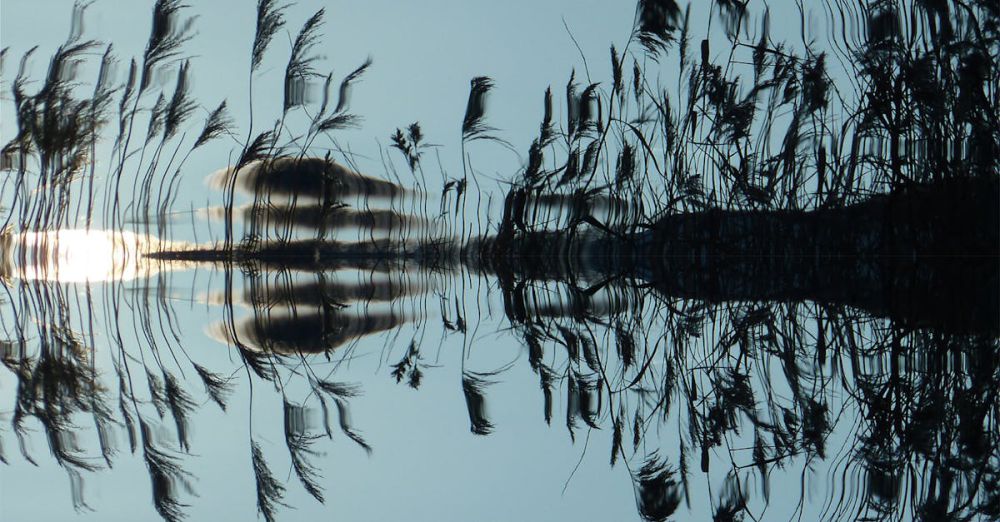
636, 261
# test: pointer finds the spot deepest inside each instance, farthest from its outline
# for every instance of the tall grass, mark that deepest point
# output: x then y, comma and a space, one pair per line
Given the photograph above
743, 388
770, 127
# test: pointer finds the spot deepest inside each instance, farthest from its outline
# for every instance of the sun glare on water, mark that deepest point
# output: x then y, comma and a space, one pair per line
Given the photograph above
78, 255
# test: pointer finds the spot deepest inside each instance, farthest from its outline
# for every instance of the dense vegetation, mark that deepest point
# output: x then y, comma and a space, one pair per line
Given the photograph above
666, 254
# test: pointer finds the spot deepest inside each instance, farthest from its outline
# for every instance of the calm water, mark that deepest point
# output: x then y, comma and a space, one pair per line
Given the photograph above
389, 392
339, 367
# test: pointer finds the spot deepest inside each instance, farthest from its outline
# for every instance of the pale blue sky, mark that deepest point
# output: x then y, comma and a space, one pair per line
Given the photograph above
426, 465
424, 55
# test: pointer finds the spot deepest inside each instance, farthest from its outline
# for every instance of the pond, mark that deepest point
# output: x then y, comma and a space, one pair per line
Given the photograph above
722, 279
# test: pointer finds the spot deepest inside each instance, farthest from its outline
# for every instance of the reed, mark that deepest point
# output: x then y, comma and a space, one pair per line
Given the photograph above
662, 255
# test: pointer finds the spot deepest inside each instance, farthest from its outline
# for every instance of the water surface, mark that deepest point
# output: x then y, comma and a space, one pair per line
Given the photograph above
721, 271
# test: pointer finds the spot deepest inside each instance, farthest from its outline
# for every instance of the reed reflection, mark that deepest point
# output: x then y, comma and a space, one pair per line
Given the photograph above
754, 282
680, 390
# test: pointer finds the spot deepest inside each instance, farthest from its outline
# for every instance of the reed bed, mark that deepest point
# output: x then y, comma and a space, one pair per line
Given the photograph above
612, 255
